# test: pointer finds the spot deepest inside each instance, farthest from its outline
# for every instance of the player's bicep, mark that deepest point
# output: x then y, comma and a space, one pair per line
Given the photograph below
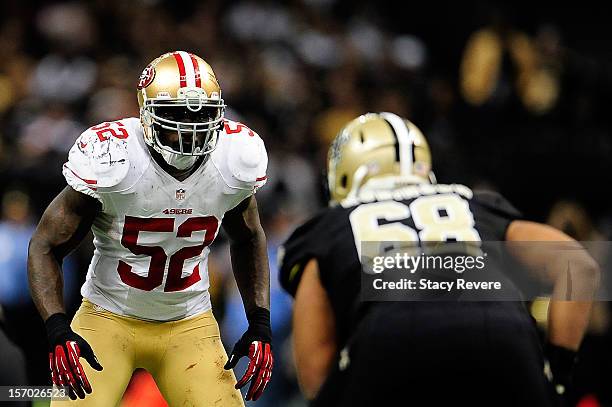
242, 222
314, 338
65, 222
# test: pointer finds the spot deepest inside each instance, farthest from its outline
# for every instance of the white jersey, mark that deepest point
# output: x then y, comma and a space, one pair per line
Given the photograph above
151, 238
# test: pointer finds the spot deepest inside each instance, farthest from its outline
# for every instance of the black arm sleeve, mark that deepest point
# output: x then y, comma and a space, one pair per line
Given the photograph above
493, 213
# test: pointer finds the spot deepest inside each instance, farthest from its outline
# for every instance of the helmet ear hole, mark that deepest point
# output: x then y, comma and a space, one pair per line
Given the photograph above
343, 181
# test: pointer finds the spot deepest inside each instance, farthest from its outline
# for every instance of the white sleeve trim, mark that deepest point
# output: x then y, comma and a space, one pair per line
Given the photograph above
85, 186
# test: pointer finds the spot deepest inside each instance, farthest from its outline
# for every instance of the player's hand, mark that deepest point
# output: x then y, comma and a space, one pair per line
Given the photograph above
256, 344
561, 361
65, 349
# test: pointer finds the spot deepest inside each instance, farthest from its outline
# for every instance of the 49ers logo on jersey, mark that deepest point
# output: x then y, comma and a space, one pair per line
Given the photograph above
146, 77
178, 211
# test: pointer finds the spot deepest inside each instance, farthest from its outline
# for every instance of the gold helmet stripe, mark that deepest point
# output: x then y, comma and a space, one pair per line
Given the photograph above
404, 138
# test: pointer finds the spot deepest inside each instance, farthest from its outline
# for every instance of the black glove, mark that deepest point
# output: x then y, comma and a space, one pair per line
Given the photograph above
256, 344
65, 349
561, 361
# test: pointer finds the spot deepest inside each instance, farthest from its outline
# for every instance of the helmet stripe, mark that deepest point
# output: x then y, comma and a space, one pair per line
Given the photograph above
181, 67
404, 139
196, 69
396, 144
189, 69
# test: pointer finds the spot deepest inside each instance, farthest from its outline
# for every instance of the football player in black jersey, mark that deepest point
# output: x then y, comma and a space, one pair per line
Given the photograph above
408, 352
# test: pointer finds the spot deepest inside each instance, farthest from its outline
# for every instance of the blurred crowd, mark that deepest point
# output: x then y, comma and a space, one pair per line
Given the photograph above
514, 99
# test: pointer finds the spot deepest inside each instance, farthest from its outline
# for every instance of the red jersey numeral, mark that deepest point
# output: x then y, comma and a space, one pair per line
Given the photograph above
238, 129
105, 128
175, 281
132, 227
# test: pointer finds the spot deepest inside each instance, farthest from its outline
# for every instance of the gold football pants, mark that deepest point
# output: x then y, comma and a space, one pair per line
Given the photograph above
185, 357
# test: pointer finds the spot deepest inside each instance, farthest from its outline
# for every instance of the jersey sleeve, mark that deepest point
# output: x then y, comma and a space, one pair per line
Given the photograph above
493, 213
304, 244
95, 163
78, 170
241, 159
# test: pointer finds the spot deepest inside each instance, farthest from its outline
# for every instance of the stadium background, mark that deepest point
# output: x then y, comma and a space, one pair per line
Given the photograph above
514, 98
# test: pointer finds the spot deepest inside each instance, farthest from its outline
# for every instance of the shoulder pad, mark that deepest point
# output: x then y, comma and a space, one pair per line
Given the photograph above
240, 157
100, 156
495, 202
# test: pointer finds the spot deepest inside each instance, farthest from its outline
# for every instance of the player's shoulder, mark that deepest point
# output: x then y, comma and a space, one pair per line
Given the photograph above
104, 153
493, 214
495, 202
240, 156
120, 131
307, 229
324, 222
314, 239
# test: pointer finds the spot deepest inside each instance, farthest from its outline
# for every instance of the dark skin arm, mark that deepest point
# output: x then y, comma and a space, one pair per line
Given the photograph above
249, 254
250, 265
63, 226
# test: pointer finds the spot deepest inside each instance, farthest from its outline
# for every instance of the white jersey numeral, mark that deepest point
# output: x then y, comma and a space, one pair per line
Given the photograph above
437, 218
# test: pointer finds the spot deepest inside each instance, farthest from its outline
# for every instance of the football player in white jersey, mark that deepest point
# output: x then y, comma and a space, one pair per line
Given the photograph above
155, 190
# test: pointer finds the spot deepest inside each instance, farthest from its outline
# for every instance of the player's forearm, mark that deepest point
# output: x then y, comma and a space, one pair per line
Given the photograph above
251, 270
311, 379
314, 358
314, 332
568, 320
565, 264
44, 275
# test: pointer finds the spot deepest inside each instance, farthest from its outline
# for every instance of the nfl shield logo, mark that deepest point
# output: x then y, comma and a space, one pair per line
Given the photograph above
180, 194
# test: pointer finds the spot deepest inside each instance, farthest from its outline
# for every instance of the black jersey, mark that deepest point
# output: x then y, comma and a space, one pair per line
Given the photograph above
428, 212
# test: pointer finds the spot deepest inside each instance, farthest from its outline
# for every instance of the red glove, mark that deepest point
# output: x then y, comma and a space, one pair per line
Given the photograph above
65, 349
256, 344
